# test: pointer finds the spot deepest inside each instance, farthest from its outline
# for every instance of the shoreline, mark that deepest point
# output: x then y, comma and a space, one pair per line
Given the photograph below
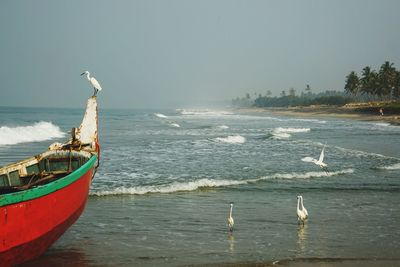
315, 262
328, 111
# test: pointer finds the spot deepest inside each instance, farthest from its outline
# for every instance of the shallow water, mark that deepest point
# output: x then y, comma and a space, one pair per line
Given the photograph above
161, 196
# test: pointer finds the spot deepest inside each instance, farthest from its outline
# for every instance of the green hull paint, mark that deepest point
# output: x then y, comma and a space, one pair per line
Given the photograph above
49, 188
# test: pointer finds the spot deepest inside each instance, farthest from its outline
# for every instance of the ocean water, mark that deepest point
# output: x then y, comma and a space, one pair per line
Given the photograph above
161, 195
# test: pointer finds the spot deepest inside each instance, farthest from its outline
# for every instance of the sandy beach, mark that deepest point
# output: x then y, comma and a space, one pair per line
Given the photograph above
330, 111
318, 262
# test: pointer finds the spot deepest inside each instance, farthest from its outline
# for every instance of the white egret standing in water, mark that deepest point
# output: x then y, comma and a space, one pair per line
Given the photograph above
231, 222
302, 213
93, 81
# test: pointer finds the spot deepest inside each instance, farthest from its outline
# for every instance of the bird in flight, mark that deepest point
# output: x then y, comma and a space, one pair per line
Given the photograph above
320, 162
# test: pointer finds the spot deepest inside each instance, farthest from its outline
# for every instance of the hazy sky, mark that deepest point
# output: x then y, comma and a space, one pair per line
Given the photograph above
186, 53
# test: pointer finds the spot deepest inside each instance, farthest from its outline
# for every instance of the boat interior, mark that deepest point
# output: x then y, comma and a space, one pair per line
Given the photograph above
41, 169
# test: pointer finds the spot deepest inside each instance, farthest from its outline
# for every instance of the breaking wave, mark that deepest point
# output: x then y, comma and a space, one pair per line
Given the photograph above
160, 115
306, 175
174, 124
279, 136
360, 153
285, 133
384, 124
310, 120
169, 188
39, 131
232, 139
391, 167
223, 127
208, 183
203, 112
291, 130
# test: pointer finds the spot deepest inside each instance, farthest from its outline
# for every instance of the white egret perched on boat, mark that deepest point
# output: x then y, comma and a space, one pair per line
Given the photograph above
93, 82
231, 222
302, 213
320, 162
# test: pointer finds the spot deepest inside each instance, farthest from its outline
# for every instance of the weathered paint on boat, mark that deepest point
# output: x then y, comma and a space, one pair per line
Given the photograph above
32, 221
35, 213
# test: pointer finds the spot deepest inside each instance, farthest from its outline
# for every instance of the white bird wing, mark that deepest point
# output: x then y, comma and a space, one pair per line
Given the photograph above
95, 83
321, 157
308, 159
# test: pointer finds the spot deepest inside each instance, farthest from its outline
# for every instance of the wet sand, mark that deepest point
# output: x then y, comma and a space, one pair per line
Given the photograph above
329, 111
319, 262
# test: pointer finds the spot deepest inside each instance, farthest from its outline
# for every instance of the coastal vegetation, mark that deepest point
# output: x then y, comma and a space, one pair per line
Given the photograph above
381, 86
290, 99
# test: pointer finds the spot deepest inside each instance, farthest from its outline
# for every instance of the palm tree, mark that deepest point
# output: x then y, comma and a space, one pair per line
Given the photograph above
396, 89
369, 82
352, 83
387, 78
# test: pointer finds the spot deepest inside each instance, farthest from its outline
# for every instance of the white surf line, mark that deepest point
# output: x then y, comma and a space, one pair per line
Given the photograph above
39, 131
391, 167
209, 183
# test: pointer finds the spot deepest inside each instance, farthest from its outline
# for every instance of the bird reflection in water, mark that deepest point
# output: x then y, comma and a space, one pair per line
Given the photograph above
302, 237
231, 240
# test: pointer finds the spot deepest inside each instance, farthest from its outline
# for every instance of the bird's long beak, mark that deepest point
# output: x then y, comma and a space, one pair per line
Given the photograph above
82, 73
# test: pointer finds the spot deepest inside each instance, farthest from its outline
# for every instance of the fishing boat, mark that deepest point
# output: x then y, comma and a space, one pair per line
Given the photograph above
42, 196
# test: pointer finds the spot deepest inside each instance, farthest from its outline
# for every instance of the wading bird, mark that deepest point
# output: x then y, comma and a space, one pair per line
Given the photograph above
302, 213
320, 162
93, 82
231, 222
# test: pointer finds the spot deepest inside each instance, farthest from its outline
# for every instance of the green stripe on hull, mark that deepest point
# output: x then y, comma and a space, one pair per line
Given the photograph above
49, 188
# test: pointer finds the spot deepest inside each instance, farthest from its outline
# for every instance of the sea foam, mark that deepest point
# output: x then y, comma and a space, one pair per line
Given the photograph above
391, 167
209, 183
168, 188
306, 175
285, 133
291, 130
223, 127
204, 112
160, 115
277, 135
39, 131
309, 120
384, 124
232, 139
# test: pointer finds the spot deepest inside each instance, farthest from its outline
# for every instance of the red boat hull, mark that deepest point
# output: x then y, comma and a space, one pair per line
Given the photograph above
29, 228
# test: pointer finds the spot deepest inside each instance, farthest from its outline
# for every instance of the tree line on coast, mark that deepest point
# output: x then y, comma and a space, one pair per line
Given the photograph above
291, 98
383, 84
371, 86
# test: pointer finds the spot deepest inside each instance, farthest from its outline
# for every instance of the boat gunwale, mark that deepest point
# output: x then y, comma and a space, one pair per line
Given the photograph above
16, 166
42, 190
